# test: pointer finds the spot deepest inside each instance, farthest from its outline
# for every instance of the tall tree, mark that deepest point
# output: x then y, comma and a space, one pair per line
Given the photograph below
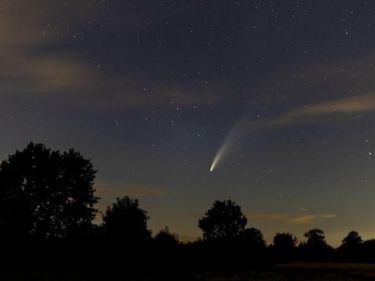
45, 194
224, 220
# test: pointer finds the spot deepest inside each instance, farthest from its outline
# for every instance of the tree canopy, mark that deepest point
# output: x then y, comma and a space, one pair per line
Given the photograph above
224, 220
352, 240
126, 221
315, 237
45, 193
166, 238
284, 241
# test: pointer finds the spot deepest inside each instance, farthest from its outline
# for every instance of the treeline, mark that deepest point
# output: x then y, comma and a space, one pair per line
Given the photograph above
46, 222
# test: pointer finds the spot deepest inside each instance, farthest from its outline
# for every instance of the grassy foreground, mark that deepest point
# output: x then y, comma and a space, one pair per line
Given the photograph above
301, 271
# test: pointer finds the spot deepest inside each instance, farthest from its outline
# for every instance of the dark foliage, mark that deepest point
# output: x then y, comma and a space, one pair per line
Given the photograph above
284, 247
351, 247
166, 239
45, 196
126, 222
251, 247
125, 228
316, 247
315, 237
368, 250
224, 220
284, 241
46, 212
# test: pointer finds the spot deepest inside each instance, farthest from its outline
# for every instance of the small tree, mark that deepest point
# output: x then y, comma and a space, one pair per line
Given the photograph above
253, 239
284, 242
315, 237
351, 246
167, 249
125, 221
284, 246
251, 246
224, 220
165, 238
125, 227
352, 240
316, 247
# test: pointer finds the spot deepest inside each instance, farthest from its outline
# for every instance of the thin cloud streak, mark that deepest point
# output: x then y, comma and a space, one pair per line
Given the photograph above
309, 114
71, 73
287, 219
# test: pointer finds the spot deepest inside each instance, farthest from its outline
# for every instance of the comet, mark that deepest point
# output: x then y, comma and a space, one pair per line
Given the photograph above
217, 158
226, 146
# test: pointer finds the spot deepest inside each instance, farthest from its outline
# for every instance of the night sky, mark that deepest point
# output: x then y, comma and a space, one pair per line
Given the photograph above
283, 92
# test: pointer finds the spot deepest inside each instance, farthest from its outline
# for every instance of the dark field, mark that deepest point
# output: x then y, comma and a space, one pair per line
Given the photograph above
304, 272
291, 272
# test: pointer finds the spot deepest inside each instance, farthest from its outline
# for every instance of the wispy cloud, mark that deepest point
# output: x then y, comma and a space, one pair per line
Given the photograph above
39, 55
287, 219
311, 113
26, 27
329, 216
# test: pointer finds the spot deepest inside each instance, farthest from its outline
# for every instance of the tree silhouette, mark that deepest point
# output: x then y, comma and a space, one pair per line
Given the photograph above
126, 221
351, 246
224, 220
45, 194
250, 247
166, 238
167, 249
284, 246
368, 248
315, 237
252, 238
316, 247
125, 227
351, 240
284, 241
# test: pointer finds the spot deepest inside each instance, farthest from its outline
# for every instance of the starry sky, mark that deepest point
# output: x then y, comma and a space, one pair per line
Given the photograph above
282, 92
